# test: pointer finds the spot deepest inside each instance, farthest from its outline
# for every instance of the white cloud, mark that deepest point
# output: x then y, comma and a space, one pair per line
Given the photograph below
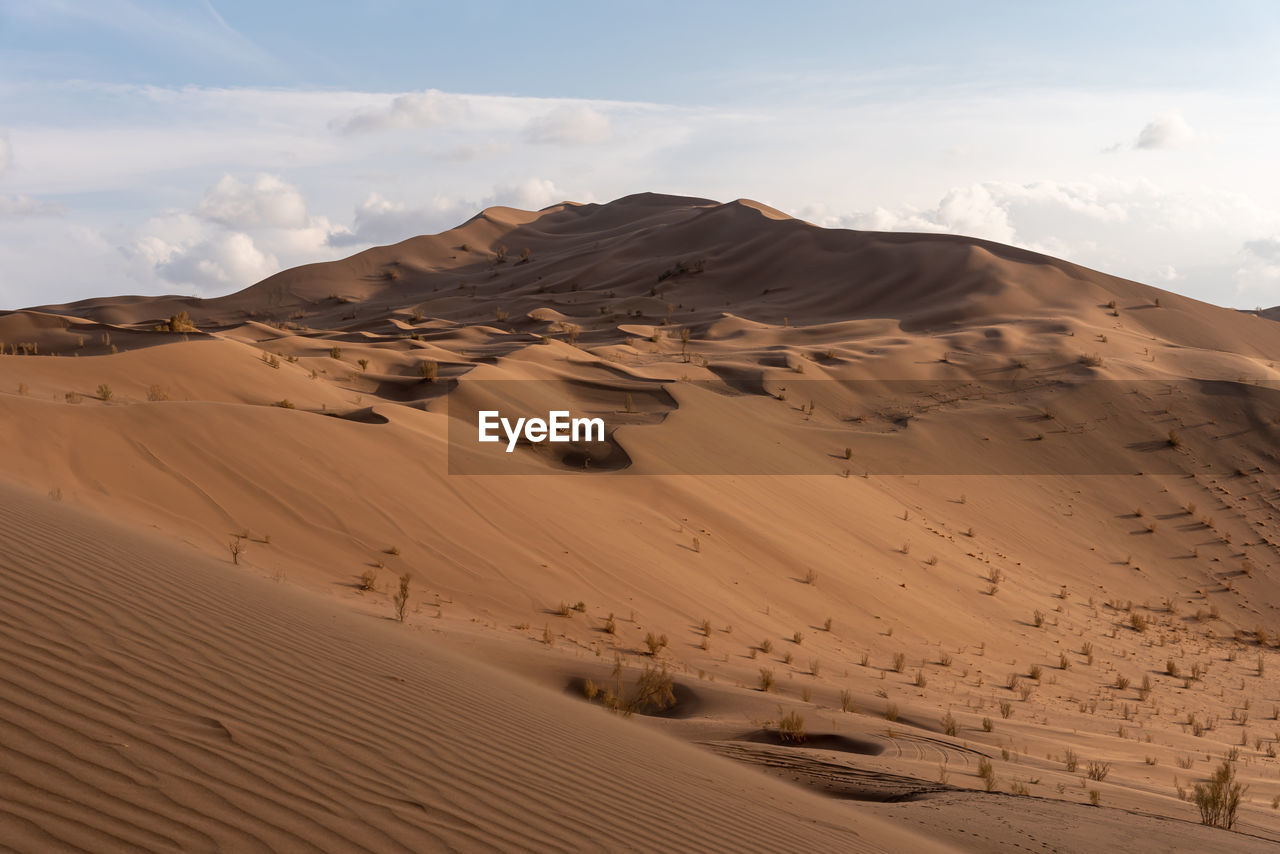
531, 194
267, 201
1167, 131
6, 152
471, 151
379, 220
569, 124
1258, 276
431, 108
225, 260
24, 206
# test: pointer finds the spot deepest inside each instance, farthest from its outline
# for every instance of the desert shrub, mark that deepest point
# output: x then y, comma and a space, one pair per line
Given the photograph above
655, 643
988, 725
791, 727
1122, 682
335, 352
1006, 709
1038, 618
766, 679
611, 625
797, 638
155, 393
1098, 771
766, 646
949, 725
899, 662
181, 322
1071, 759
368, 578
104, 392
237, 547
891, 712
987, 773
286, 403
1219, 799
846, 701
655, 691
402, 597
428, 370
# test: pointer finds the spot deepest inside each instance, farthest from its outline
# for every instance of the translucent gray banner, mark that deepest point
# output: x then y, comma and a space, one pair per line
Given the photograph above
753, 426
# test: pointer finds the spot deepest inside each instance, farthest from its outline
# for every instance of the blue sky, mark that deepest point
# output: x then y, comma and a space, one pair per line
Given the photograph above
195, 147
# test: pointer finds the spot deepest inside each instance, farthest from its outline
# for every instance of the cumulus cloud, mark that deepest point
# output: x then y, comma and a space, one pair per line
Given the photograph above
265, 202
531, 194
1167, 131
1267, 249
225, 260
379, 220
24, 206
569, 124
431, 108
1258, 276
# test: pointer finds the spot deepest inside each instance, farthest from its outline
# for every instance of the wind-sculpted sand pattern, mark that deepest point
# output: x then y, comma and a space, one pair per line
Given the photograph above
157, 700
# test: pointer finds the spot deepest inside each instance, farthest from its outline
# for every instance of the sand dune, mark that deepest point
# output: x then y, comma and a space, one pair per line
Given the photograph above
883, 431
158, 700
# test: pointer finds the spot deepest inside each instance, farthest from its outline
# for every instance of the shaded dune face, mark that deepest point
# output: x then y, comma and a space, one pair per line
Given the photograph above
870, 479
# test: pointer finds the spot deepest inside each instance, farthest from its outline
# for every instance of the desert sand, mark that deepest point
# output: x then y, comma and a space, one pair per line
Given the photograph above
850, 493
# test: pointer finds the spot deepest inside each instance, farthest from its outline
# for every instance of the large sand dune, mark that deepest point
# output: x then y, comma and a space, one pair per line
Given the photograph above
990, 548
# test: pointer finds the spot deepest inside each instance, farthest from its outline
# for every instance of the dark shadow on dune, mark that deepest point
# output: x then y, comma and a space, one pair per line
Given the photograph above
815, 741
361, 416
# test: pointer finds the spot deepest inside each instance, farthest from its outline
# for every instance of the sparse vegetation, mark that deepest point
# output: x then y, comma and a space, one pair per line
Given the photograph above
1219, 799
766, 679
791, 727
401, 599
655, 643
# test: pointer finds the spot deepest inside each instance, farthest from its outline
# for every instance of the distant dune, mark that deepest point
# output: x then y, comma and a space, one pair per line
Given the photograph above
936, 595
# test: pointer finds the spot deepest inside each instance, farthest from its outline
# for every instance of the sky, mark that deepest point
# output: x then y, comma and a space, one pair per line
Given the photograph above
197, 146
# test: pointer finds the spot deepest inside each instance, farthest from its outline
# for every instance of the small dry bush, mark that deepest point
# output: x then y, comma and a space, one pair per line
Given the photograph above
1219, 799
655, 643
766, 679
988, 773
791, 727
401, 599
